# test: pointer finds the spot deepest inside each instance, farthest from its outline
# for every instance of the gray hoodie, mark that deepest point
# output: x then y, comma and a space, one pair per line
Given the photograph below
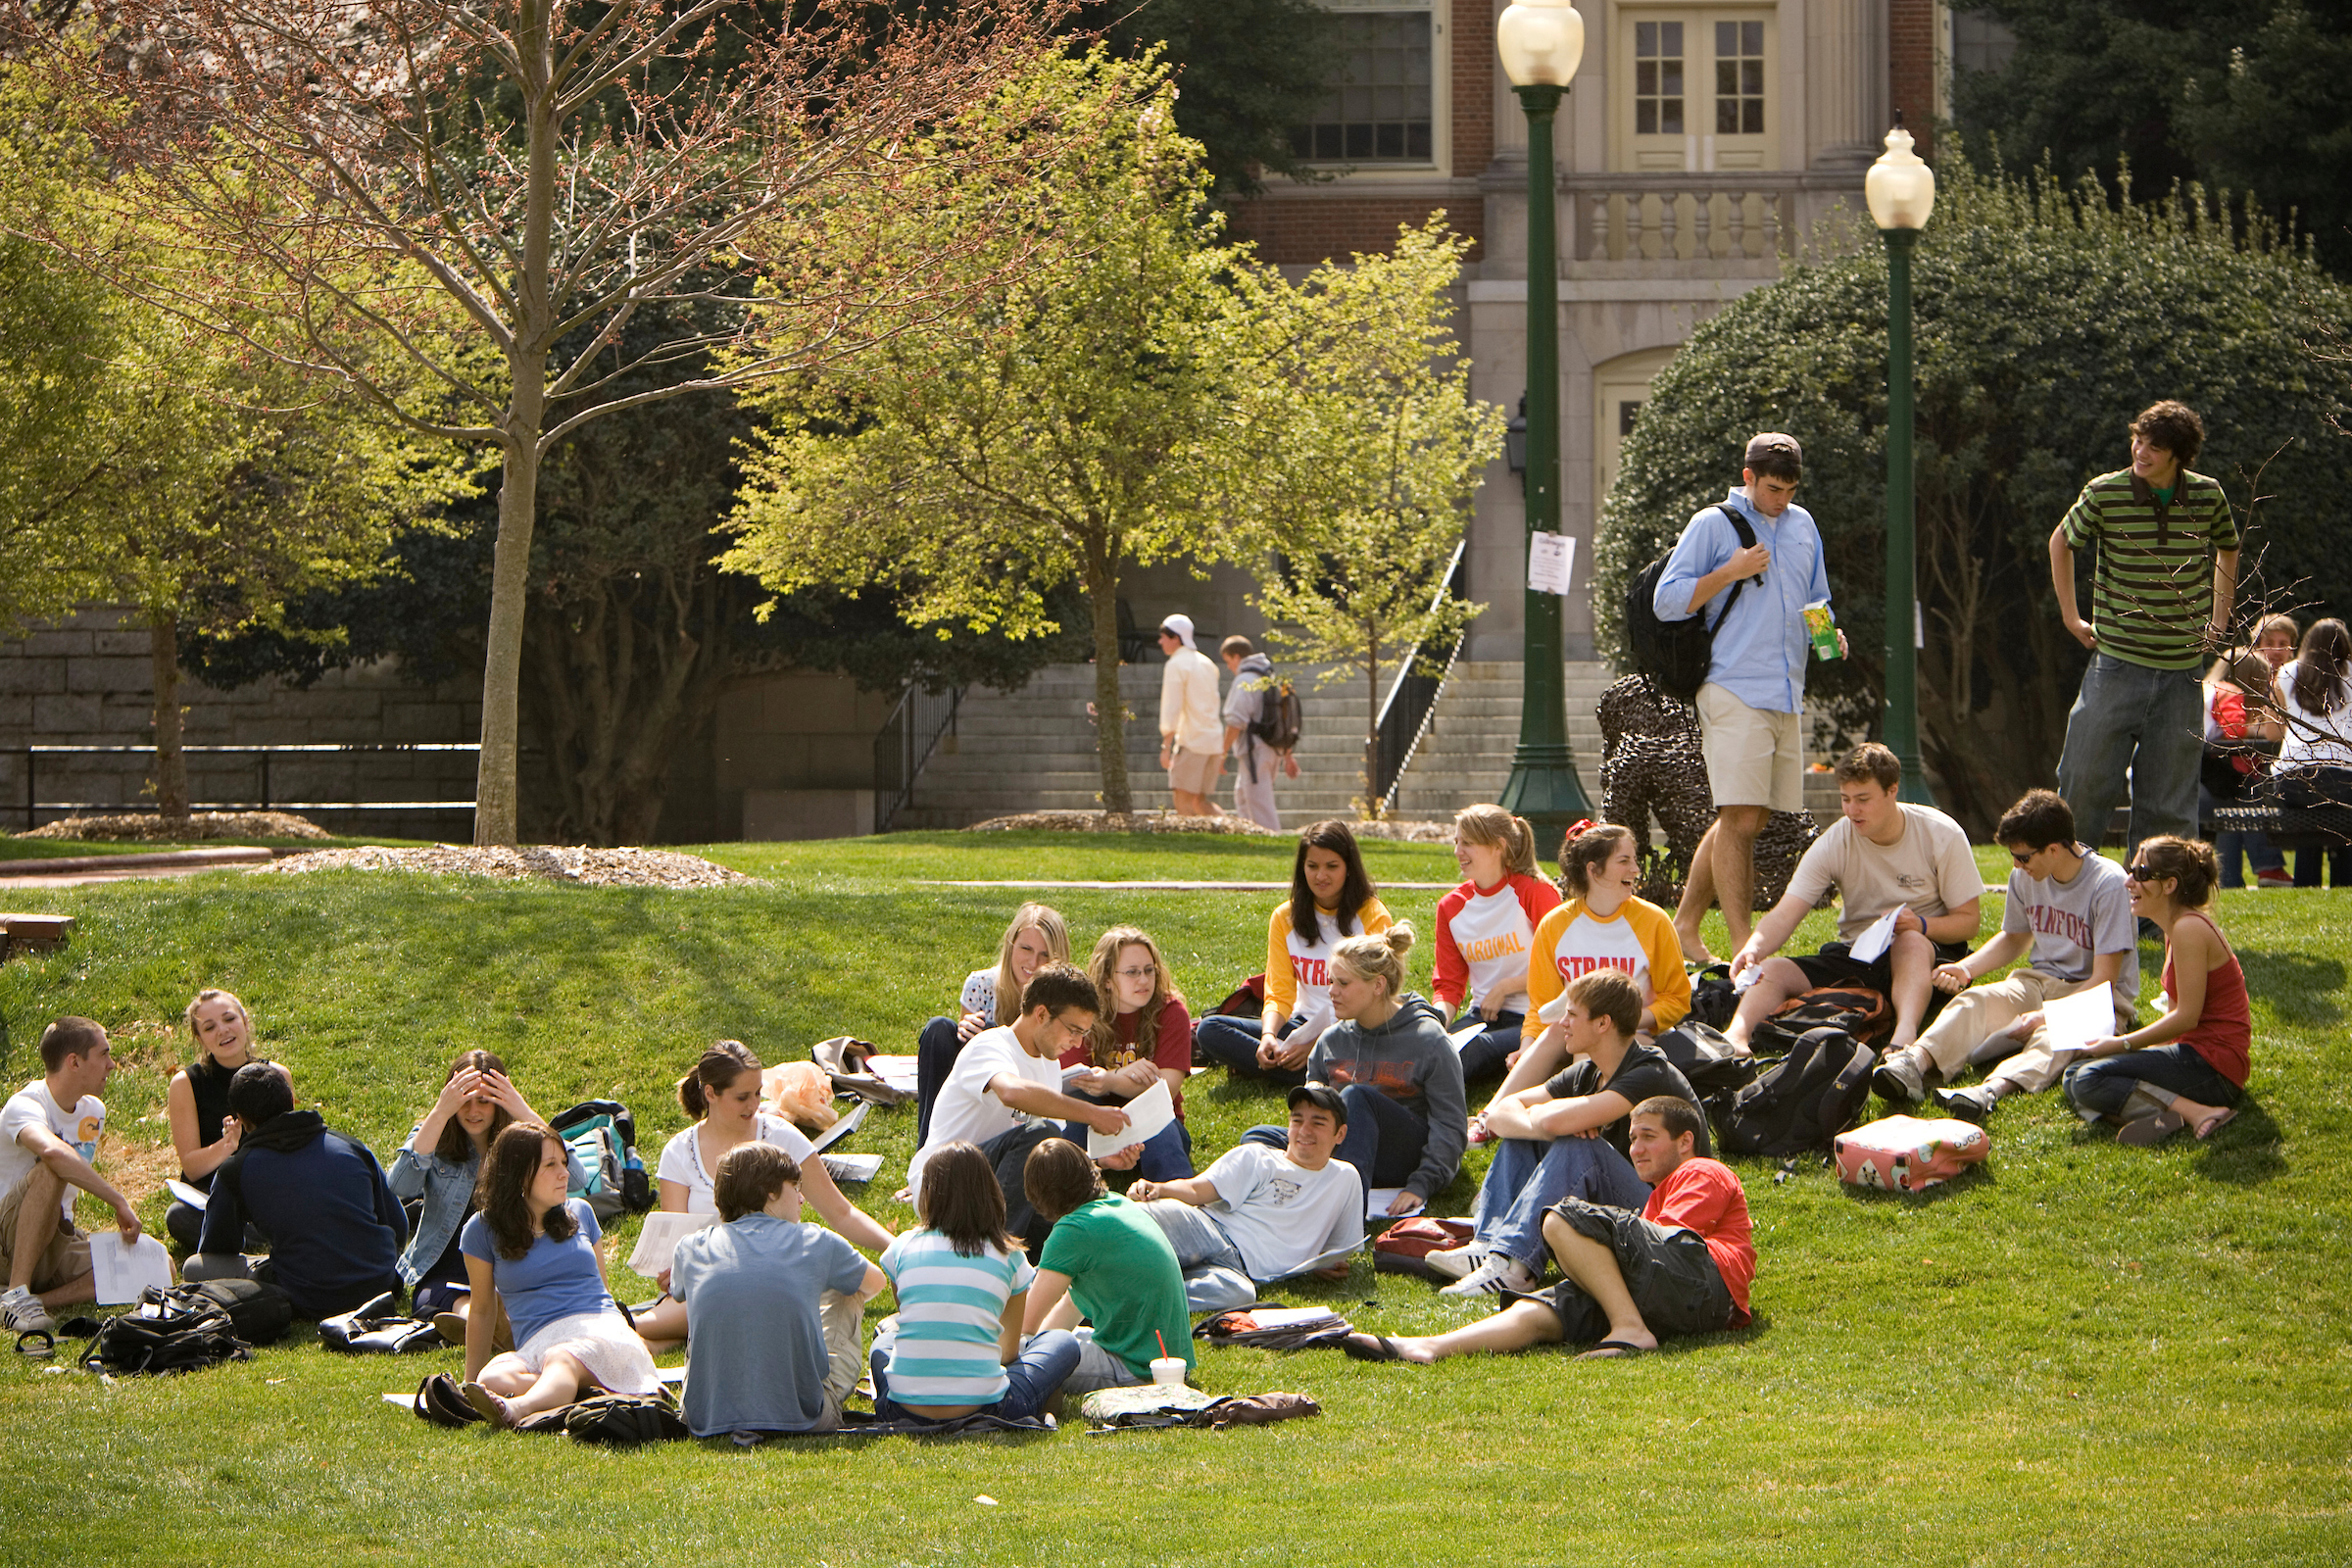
1410, 1060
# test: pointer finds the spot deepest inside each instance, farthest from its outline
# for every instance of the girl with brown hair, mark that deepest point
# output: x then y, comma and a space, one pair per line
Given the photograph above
2315, 753
1143, 1035
991, 999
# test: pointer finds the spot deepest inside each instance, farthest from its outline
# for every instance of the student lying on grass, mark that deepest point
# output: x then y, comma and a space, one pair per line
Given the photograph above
1680, 1266
1107, 1260
535, 1254
991, 999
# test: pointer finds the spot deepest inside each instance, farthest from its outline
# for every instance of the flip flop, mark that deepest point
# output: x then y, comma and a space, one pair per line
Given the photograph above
47, 1346
2215, 1122
1382, 1347
489, 1406
2146, 1130
1614, 1350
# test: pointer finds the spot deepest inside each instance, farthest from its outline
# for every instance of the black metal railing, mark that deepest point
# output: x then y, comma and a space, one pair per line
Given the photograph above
263, 756
909, 737
1413, 695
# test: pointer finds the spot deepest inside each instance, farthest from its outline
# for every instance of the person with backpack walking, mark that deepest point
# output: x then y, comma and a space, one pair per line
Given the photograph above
1253, 731
1749, 565
1189, 732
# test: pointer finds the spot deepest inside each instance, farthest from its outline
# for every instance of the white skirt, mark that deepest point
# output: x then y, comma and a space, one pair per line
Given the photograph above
602, 1343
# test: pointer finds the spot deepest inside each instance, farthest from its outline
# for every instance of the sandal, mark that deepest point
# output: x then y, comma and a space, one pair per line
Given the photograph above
1371, 1347
489, 1406
2215, 1122
1614, 1350
2146, 1130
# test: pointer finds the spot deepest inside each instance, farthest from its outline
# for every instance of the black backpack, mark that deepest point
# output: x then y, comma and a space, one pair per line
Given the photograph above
1706, 1059
1713, 998
1674, 654
624, 1419
259, 1314
1277, 715
1805, 1101
170, 1331
376, 1329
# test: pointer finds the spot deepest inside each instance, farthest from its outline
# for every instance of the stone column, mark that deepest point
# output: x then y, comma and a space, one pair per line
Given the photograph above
1845, 81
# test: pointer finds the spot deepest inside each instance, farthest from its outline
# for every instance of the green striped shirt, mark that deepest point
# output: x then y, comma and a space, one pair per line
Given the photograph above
2151, 596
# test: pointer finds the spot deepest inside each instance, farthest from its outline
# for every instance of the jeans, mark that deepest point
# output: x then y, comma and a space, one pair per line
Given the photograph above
1383, 1141
2106, 1085
1215, 1274
2237, 851
1528, 1177
934, 1051
2312, 788
1167, 1153
2136, 730
1031, 1379
1097, 1368
1483, 1057
1232, 1042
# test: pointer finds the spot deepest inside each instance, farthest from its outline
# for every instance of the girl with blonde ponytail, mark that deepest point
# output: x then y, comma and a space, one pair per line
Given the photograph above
1486, 930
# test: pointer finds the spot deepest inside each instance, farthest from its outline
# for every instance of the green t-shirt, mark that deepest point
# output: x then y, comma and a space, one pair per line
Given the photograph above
2152, 593
1124, 1278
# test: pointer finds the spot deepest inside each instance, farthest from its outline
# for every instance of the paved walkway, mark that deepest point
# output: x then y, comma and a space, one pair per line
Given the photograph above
1181, 887
80, 870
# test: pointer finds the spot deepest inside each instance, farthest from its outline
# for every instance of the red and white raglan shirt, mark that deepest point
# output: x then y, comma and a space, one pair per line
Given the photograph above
1484, 940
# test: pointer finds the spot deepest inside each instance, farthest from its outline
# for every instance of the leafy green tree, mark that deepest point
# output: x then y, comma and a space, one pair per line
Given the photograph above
2045, 319
1365, 404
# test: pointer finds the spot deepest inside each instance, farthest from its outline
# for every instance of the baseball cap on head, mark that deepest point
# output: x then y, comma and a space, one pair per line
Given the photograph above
1179, 627
1771, 445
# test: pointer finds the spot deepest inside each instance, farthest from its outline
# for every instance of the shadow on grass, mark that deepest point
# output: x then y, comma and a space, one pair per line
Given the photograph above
2301, 988
1968, 1181
2247, 1152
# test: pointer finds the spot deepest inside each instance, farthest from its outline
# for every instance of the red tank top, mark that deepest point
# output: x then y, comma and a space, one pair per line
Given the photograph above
2224, 1029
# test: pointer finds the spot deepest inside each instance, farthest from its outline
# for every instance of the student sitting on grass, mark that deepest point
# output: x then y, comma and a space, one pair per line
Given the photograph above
1486, 932
1330, 898
2067, 907
1680, 1266
1601, 926
991, 999
772, 1306
1106, 1260
2187, 1069
1566, 1138
722, 1096
963, 1286
441, 1164
1143, 1036
48, 1135
335, 1230
1396, 1073
197, 1103
534, 1253
1261, 1214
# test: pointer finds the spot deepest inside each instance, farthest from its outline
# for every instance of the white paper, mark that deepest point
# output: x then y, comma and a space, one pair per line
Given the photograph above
1550, 562
1468, 1032
853, 1167
2075, 1021
660, 1239
1291, 1317
1879, 938
849, 1123
1378, 1199
1336, 1258
1147, 1113
123, 1269
1747, 977
896, 1071
1311, 1025
193, 1196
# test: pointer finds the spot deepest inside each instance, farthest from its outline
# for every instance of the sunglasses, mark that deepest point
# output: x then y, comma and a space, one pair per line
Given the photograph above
2143, 872
2020, 857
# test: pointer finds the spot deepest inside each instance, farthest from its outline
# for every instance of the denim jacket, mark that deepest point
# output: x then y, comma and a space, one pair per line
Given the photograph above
446, 1189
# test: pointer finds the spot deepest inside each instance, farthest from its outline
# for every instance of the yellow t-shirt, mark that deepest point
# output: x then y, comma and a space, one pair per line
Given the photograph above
1638, 938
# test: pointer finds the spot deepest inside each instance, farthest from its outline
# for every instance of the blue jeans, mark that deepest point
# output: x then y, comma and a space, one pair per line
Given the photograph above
1383, 1141
1031, 1378
1528, 1177
1216, 1276
2105, 1086
1232, 1044
2135, 731
1167, 1153
1483, 1057
2306, 789
934, 1051
2237, 851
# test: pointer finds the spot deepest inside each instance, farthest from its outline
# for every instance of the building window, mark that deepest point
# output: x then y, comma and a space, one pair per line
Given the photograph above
1740, 78
1380, 107
1690, 89
1658, 78
1979, 41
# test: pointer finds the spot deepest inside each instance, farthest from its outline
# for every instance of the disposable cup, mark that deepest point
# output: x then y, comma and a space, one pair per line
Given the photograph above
1168, 1371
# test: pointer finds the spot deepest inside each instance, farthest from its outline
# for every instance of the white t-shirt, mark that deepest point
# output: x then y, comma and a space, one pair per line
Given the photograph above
1930, 868
32, 1106
2312, 737
682, 1158
1279, 1215
965, 1108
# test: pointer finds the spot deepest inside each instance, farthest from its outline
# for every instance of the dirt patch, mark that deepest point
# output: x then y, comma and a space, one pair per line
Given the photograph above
1169, 823
145, 827
601, 869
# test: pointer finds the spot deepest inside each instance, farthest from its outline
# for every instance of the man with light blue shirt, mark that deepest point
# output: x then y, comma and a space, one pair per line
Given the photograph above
1754, 595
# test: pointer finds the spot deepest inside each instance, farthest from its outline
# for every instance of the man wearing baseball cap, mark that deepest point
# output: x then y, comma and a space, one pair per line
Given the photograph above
1751, 705
1192, 737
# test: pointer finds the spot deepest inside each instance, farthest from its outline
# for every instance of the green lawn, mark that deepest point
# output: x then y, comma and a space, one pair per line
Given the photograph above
2080, 1353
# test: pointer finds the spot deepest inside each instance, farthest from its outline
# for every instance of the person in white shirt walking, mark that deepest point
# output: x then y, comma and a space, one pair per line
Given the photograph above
1191, 734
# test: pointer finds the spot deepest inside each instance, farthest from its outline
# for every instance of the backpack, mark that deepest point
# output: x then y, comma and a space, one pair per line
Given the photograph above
1277, 715
440, 1400
1859, 1010
259, 1313
1706, 1061
168, 1331
624, 1419
375, 1329
1675, 653
1713, 999
604, 1136
1804, 1102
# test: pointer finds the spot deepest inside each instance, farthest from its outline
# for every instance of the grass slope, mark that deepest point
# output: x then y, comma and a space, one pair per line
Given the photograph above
2079, 1353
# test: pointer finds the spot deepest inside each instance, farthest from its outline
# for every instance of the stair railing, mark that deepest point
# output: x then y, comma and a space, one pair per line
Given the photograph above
908, 738
1404, 714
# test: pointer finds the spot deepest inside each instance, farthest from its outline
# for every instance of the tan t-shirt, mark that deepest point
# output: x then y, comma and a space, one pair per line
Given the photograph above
1930, 868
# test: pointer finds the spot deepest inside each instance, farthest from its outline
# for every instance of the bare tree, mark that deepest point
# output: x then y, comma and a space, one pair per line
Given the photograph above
493, 195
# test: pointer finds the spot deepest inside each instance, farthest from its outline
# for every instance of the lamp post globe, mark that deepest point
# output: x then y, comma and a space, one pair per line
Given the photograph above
1901, 190
1541, 43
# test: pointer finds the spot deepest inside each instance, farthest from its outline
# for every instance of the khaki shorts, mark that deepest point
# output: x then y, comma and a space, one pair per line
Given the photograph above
1753, 758
1193, 772
66, 1257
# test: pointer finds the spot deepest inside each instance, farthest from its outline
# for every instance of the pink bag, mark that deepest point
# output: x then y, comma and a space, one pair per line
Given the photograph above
1904, 1153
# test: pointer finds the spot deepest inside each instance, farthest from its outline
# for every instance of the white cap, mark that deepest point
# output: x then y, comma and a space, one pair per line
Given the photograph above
1182, 627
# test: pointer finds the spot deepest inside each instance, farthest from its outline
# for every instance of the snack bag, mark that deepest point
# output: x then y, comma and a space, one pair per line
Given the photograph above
1905, 1154
1822, 627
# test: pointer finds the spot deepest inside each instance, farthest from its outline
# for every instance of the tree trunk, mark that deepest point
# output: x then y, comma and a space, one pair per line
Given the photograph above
171, 762
1110, 713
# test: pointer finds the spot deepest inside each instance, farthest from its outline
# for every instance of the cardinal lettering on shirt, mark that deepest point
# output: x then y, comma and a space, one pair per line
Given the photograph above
2051, 920
1498, 946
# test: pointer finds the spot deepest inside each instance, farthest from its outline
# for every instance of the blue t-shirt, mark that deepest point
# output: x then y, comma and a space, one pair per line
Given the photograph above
553, 1280
753, 1288
951, 1316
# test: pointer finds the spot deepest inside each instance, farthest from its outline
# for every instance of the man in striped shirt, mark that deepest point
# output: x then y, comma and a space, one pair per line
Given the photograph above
2160, 599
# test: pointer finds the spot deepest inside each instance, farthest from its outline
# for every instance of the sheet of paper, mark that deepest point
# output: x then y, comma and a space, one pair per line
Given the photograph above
851, 1120
1554, 1011
406, 1401
1291, 1317
1378, 1199
895, 1072
660, 1239
1879, 938
191, 1196
123, 1269
1748, 977
2075, 1021
1147, 1113
1468, 1032
853, 1167
1335, 1258
1550, 562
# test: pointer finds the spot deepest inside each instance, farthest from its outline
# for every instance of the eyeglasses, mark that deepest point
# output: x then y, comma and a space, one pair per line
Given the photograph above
2143, 872
1137, 974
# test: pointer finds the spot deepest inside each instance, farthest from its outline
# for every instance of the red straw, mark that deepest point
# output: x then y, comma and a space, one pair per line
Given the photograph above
1163, 1344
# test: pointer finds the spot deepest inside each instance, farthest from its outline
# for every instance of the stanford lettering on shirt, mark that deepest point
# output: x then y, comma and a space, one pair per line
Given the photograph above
2048, 919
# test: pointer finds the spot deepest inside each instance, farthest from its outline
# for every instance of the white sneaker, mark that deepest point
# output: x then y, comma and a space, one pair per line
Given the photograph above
1498, 1273
1456, 1261
23, 1312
